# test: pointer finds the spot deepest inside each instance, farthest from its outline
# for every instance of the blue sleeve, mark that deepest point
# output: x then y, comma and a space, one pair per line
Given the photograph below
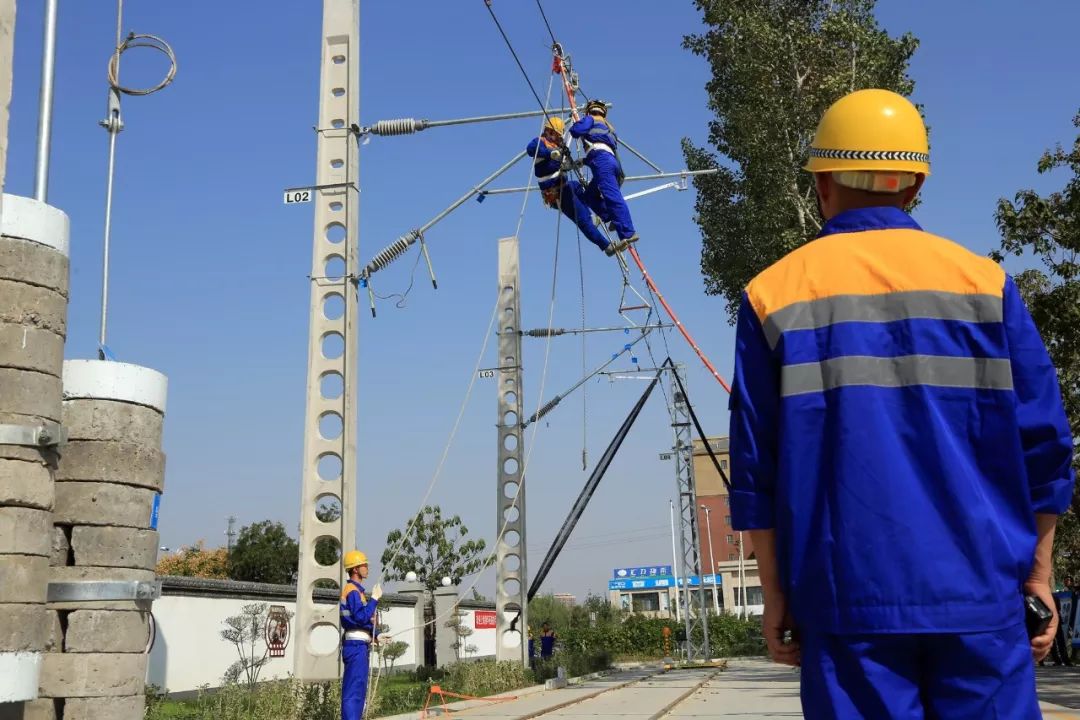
532, 146
755, 425
360, 614
582, 126
1044, 428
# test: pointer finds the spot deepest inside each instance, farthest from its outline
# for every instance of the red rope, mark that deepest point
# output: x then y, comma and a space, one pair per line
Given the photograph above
675, 319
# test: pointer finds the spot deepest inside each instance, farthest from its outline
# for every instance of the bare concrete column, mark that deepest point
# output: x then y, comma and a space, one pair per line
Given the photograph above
33, 314
105, 542
415, 636
446, 600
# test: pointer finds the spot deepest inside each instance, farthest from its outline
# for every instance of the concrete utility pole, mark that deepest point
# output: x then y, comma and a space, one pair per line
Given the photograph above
510, 570
329, 469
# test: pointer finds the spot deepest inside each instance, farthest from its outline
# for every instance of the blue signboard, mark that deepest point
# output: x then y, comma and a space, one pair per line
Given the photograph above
647, 583
648, 571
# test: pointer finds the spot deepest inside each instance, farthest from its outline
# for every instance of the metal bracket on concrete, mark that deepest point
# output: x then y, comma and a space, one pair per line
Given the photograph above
43, 435
99, 591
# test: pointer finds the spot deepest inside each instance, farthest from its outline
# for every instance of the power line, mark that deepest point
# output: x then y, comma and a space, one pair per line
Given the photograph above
546, 23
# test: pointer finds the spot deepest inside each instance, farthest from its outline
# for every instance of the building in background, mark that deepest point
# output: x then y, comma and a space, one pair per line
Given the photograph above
566, 599
713, 494
651, 589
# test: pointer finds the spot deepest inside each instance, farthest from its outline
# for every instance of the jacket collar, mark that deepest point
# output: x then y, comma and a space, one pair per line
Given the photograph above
873, 218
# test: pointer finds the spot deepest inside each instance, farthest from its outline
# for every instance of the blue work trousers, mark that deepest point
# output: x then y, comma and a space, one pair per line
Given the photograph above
965, 676
354, 680
571, 205
603, 195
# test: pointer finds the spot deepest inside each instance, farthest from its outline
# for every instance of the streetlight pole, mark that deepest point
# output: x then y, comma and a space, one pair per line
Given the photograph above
674, 561
742, 580
712, 562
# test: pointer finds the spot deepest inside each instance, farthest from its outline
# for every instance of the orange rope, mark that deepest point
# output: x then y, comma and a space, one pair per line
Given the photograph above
675, 319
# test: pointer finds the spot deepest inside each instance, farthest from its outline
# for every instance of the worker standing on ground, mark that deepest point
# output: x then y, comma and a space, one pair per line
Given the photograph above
559, 190
547, 641
358, 625
604, 194
900, 451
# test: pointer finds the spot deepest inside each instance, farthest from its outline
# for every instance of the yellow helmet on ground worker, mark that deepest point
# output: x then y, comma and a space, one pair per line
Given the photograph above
555, 124
355, 558
871, 140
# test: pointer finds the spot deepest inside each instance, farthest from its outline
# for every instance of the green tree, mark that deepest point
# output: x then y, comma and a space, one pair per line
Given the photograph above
327, 551
776, 66
433, 547
265, 553
1047, 228
245, 632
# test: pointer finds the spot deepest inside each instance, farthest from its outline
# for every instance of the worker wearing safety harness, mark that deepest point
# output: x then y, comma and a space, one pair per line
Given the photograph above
900, 450
358, 627
560, 190
604, 194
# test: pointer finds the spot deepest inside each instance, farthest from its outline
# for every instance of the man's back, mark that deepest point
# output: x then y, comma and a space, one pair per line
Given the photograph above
901, 381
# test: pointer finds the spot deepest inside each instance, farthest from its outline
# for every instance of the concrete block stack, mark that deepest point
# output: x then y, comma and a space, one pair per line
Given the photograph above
104, 539
33, 316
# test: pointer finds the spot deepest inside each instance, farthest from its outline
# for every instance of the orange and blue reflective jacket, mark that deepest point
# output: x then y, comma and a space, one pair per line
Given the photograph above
357, 609
896, 419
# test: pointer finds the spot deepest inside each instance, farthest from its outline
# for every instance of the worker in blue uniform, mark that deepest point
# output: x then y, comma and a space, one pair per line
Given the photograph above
559, 189
899, 446
604, 195
359, 632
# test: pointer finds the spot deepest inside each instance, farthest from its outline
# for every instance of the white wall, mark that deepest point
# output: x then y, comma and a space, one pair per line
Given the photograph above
482, 638
189, 652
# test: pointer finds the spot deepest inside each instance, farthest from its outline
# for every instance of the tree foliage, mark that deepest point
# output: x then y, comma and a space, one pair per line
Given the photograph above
196, 561
433, 547
264, 552
776, 66
1047, 228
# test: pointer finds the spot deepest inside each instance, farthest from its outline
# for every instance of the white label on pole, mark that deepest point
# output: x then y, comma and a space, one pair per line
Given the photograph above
485, 374
665, 456
297, 196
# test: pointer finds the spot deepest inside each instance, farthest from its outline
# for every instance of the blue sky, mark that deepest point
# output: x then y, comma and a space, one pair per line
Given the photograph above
209, 268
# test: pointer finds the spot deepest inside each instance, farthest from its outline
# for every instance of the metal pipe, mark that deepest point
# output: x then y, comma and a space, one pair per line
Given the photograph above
543, 332
408, 126
561, 396
629, 178
105, 252
461, 201
45, 107
641, 157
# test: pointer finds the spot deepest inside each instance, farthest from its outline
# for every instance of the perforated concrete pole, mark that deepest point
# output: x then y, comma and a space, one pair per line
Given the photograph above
33, 315
511, 602
105, 542
329, 467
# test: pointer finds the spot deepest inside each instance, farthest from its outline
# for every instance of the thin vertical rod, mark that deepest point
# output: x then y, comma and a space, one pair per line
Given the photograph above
674, 560
108, 232
45, 108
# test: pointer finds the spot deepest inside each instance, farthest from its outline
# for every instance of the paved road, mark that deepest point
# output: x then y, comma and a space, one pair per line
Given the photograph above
747, 689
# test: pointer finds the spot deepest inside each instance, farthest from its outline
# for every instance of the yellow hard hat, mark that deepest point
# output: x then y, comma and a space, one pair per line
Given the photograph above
870, 130
556, 124
355, 558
